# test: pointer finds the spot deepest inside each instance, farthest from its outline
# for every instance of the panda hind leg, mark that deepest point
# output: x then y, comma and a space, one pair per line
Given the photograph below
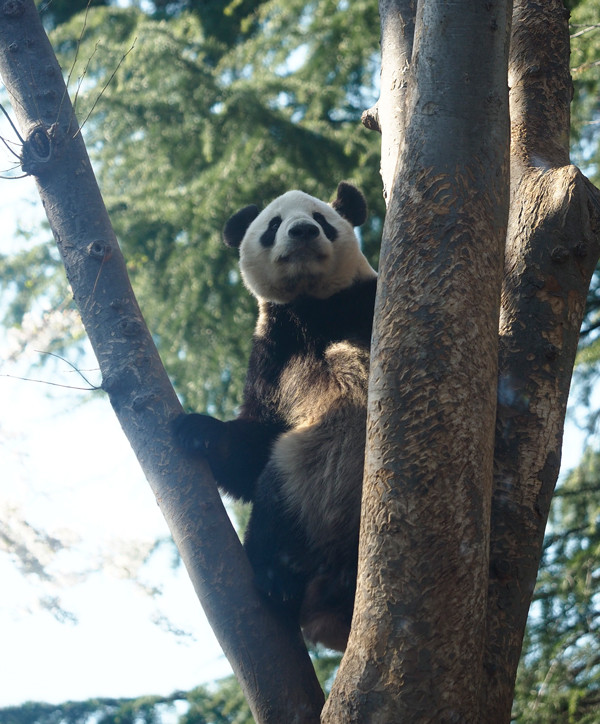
327, 606
276, 547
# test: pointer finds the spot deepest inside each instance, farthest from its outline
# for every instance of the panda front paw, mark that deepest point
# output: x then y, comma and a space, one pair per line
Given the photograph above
200, 434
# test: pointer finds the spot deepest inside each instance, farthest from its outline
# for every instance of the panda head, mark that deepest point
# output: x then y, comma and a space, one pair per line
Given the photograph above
299, 245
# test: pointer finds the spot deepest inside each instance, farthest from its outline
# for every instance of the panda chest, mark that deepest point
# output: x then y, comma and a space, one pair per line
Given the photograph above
319, 459
317, 382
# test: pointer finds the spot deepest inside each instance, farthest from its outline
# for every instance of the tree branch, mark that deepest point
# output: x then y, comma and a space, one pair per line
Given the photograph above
551, 252
269, 660
389, 115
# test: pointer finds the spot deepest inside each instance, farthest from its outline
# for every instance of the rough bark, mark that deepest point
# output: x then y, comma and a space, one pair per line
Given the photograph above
416, 646
551, 253
269, 660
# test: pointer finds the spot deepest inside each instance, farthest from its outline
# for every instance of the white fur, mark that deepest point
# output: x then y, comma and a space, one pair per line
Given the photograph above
288, 269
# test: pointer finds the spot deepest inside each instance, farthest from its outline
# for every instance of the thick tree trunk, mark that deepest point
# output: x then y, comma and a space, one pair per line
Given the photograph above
551, 253
270, 661
416, 647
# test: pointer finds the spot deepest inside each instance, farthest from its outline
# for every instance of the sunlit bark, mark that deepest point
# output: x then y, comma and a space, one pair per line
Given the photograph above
551, 252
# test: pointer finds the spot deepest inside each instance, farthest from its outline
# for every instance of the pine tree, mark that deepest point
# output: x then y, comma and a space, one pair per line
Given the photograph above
252, 104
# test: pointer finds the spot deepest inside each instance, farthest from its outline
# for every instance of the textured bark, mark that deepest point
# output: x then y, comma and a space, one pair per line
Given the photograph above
416, 646
551, 253
269, 660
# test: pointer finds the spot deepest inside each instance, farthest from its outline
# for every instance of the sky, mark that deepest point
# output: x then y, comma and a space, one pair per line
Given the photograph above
67, 469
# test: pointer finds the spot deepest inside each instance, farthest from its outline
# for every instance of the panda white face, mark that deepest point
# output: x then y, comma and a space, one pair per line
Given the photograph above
299, 245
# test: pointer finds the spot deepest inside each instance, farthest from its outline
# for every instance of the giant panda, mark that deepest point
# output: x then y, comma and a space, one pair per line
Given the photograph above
296, 449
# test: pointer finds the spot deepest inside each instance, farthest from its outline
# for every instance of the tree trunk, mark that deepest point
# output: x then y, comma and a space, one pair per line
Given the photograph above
416, 647
269, 660
389, 115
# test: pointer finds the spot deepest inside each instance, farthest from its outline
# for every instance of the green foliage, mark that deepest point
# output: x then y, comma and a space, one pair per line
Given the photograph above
224, 704
55, 12
585, 54
585, 68
30, 274
220, 703
189, 118
559, 676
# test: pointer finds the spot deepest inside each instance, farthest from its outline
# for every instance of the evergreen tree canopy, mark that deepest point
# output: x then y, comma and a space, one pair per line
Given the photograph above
190, 115
224, 704
559, 677
585, 63
221, 703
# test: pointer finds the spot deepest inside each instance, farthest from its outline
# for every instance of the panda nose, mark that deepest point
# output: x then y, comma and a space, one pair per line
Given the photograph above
303, 231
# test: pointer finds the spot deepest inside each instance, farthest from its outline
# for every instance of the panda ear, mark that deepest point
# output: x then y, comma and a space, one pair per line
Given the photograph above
236, 227
350, 203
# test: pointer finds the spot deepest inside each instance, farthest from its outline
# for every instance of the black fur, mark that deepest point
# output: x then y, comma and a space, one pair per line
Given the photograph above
238, 450
235, 228
329, 230
268, 236
350, 203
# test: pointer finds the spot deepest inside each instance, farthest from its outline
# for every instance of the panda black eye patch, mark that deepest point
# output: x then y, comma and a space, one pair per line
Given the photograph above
268, 236
330, 231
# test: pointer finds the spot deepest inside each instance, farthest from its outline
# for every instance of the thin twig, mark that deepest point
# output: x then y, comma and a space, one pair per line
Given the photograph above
53, 384
63, 359
106, 86
585, 66
11, 123
586, 29
72, 68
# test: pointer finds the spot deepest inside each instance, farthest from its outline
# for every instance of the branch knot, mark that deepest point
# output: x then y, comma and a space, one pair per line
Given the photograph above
13, 8
38, 148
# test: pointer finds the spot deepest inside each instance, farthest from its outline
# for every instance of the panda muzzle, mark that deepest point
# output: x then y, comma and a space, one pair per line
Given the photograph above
304, 231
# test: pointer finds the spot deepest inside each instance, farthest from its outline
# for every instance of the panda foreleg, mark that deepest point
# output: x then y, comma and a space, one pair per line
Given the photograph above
236, 451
